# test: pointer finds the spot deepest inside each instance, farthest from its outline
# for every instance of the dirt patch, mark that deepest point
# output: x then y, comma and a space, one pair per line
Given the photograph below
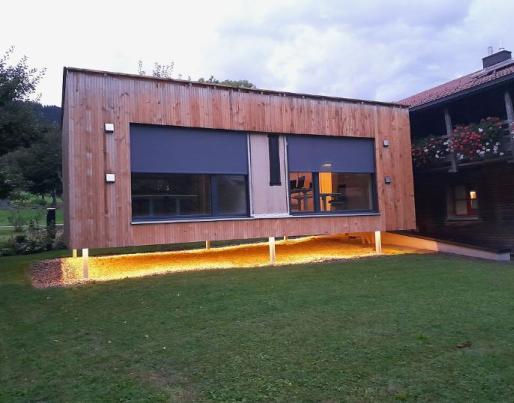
174, 385
68, 271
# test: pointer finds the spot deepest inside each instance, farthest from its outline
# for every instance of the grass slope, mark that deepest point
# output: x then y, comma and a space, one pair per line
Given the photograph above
379, 329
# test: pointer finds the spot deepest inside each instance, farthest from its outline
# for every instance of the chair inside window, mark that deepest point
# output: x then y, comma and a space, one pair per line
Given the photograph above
301, 182
339, 201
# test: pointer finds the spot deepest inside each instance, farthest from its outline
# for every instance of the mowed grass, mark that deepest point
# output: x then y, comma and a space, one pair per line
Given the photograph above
376, 329
28, 213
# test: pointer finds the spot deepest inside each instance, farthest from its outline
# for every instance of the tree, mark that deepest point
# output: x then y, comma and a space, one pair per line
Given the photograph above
166, 71
159, 70
36, 169
19, 126
30, 146
230, 83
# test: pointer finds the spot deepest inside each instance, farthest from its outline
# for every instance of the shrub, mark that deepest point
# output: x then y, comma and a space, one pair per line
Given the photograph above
36, 239
17, 220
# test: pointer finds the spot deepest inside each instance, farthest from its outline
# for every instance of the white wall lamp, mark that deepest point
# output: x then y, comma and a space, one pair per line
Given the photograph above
109, 127
386, 143
110, 178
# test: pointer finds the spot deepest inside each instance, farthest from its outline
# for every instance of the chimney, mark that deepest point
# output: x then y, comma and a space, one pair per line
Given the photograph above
496, 58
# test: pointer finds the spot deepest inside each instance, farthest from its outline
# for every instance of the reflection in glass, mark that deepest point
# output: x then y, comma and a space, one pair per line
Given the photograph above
301, 192
160, 196
345, 192
231, 191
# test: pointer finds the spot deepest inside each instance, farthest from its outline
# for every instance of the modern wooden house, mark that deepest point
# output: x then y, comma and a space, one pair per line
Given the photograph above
159, 161
463, 156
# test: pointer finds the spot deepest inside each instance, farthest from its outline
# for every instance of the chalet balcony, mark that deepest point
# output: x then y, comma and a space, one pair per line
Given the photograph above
489, 140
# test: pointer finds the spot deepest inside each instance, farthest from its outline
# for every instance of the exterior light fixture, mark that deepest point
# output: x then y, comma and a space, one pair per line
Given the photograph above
473, 194
109, 127
388, 180
110, 178
386, 143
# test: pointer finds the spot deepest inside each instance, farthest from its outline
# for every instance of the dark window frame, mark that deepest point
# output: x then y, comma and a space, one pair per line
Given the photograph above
316, 193
213, 197
274, 160
471, 213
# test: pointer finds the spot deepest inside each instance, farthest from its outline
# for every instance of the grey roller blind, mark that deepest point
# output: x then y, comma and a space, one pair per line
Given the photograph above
336, 154
164, 149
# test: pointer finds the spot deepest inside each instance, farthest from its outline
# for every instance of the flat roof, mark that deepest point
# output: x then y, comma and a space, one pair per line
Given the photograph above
227, 87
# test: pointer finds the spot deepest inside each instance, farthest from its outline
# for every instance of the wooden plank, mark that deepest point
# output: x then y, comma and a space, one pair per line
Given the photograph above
449, 133
510, 118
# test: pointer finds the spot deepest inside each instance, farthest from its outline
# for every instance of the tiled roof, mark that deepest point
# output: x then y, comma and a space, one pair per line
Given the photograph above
464, 83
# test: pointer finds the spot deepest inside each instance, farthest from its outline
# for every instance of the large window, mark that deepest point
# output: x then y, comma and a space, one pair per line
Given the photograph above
158, 196
331, 175
180, 173
331, 192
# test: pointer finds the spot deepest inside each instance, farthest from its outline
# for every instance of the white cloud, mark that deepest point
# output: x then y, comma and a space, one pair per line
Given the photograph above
362, 49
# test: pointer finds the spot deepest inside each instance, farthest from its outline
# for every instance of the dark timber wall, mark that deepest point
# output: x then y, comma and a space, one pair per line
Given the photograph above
494, 227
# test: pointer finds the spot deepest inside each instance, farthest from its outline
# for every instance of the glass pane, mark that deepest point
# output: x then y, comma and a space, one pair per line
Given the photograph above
473, 196
300, 192
345, 192
170, 195
231, 191
460, 192
461, 207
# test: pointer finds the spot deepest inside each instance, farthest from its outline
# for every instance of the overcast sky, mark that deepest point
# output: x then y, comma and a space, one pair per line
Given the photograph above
381, 50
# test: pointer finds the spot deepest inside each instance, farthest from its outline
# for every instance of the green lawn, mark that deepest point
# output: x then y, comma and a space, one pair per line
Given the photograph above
30, 213
378, 329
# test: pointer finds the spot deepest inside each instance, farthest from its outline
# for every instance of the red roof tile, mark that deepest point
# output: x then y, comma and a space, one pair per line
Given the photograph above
463, 83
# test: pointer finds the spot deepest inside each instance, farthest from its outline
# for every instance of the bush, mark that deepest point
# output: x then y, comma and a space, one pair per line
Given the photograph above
17, 220
40, 202
36, 239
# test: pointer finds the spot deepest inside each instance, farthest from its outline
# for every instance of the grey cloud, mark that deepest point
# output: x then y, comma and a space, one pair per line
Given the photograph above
365, 49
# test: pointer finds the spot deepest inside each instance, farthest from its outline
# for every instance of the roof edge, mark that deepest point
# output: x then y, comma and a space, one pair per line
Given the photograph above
463, 93
227, 87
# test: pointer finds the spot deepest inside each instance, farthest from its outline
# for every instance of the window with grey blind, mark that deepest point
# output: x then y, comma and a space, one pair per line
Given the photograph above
187, 173
331, 174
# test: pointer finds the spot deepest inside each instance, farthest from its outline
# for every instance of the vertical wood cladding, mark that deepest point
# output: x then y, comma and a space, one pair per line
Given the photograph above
494, 227
99, 214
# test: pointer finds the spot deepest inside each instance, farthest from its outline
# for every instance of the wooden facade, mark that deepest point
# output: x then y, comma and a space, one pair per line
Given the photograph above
98, 214
493, 226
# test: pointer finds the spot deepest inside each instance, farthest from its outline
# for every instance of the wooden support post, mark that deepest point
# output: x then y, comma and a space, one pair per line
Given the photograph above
207, 244
378, 242
74, 253
449, 133
272, 253
510, 119
85, 263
